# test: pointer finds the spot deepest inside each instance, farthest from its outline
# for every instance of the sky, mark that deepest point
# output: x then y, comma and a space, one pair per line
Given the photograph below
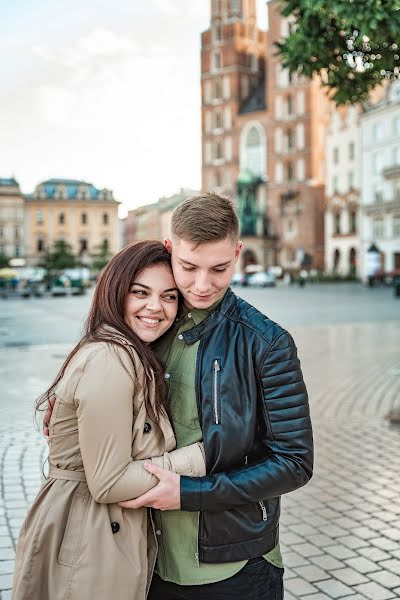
107, 92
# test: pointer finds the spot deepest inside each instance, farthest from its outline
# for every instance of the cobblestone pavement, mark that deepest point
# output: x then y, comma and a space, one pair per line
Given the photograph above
341, 533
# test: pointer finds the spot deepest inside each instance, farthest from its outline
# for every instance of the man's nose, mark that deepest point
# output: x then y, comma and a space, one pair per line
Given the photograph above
202, 282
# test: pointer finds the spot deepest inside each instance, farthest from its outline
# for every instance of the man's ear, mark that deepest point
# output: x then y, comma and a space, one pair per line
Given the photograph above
239, 248
168, 245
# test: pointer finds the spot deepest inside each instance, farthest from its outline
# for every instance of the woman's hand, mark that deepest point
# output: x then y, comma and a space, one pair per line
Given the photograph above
165, 496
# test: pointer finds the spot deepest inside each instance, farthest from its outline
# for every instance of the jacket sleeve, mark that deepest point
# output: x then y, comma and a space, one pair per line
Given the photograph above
288, 440
104, 397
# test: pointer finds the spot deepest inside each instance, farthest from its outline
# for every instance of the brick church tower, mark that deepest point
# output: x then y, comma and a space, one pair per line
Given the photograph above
232, 69
263, 137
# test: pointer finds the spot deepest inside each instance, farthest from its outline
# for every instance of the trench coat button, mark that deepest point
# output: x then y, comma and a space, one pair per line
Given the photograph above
167, 375
147, 428
115, 527
158, 532
180, 337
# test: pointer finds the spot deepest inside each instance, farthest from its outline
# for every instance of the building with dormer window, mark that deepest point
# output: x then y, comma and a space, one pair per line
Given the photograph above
11, 219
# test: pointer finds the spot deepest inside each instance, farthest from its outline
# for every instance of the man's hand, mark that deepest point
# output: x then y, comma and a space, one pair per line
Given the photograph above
165, 496
47, 415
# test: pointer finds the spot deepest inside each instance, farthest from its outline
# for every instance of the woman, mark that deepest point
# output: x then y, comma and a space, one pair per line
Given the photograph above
109, 416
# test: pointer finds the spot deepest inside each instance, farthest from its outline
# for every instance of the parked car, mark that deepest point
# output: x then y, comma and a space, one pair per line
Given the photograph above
238, 279
67, 286
261, 280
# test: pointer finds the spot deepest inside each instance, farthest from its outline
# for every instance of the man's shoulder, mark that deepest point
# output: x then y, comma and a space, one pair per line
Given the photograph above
248, 315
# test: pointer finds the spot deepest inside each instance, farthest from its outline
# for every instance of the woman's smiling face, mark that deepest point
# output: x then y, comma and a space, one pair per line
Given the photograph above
152, 303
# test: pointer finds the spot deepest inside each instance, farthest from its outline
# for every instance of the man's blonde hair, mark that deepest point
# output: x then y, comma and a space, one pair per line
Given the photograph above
205, 218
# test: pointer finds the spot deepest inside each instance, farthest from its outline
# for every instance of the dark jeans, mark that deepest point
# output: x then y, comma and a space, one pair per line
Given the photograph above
258, 580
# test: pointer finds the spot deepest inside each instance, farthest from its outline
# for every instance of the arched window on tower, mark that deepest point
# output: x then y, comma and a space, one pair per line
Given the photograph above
235, 5
254, 152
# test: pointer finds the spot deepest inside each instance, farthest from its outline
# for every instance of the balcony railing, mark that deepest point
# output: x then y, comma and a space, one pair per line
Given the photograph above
392, 172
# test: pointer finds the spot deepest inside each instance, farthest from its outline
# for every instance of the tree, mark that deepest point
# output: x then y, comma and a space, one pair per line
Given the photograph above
353, 45
3, 260
101, 258
59, 258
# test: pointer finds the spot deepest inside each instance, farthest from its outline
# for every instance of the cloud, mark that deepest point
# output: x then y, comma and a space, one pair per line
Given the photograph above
166, 6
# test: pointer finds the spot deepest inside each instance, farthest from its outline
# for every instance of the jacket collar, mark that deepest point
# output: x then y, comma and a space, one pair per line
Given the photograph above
193, 335
115, 335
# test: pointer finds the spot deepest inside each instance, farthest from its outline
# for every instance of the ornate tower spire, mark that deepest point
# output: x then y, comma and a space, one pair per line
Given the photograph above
229, 11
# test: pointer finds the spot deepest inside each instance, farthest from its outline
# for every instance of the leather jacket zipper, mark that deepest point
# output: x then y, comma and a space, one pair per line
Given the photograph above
217, 368
264, 510
196, 554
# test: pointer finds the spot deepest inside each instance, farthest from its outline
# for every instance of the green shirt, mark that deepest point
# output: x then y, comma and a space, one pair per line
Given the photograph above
177, 531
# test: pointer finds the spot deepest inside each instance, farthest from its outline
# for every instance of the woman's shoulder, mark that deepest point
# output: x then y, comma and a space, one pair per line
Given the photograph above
114, 351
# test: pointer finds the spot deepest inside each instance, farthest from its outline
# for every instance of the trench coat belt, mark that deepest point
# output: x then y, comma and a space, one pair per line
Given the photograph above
55, 473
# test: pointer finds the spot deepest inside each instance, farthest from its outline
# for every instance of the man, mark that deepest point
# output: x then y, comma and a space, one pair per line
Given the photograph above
235, 383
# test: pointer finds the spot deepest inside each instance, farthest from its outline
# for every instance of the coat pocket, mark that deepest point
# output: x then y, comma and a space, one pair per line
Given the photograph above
74, 531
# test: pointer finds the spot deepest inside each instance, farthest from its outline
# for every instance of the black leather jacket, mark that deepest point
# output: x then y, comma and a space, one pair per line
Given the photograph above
254, 414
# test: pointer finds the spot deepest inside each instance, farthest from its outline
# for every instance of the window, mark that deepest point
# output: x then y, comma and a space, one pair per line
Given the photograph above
217, 90
378, 195
207, 91
396, 156
40, 245
353, 221
235, 6
227, 87
352, 150
278, 172
83, 245
105, 219
208, 122
300, 136
254, 152
289, 105
217, 61
84, 219
377, 228
378, 161
227, 118
337, 223
290, 144
218, 119
397, 126
39, 217
244, 86
396, 226
378, 132
218, 179
218, 150
61, 219
300, 103
278, 107
217, 6
208, 153
228, 148
278, 140
335, 184
351, 180
335, 156
217, 32
289, 171
300, 168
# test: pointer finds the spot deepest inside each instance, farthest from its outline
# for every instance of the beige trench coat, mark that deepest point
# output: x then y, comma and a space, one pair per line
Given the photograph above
76, 542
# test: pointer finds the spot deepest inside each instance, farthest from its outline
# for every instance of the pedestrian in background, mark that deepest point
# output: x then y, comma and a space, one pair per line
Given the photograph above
109, 417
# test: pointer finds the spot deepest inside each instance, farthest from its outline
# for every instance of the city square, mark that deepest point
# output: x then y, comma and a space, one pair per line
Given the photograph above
340, 534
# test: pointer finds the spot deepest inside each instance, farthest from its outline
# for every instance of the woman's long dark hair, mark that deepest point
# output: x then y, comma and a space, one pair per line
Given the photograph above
108, 308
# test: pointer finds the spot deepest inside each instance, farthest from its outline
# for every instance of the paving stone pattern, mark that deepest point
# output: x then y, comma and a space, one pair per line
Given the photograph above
340, 534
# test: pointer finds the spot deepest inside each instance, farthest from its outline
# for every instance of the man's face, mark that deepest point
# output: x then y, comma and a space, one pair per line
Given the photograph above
203, 274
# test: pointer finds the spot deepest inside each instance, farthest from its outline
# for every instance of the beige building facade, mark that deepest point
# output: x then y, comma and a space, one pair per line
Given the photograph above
73, 211
152, 221
11, 219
